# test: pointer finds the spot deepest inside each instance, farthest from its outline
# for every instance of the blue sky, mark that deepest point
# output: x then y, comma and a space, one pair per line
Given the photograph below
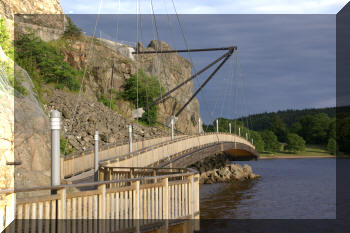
287, 61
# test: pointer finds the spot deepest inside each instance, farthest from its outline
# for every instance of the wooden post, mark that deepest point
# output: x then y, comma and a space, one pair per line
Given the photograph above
190, 201
102, 207
136, 205
62, 168
165, 205
62, 210
196, 202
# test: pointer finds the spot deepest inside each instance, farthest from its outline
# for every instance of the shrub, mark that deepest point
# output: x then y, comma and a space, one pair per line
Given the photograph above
64, 146
145, 88
332, 146
258, 141
71, 30
270, 141
295, 143
5, 41
109, 102
45, 63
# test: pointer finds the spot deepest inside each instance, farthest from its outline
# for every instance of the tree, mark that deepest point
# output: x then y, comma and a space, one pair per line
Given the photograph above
257, 141
315, 128
71, 30
296, 127
270, 141
295, 143
332, 146
141, 89
343, 132
279, 128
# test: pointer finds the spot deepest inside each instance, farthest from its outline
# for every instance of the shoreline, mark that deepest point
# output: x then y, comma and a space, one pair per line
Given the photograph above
296, 156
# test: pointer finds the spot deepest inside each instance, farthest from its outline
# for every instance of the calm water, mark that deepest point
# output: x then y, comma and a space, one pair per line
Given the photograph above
288, 189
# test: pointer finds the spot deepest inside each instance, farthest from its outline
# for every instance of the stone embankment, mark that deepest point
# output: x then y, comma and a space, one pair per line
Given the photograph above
219, 169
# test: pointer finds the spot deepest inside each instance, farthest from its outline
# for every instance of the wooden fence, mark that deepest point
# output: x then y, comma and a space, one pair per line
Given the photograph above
103, 207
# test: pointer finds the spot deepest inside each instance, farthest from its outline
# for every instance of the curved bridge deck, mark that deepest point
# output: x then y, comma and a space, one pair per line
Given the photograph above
180, 152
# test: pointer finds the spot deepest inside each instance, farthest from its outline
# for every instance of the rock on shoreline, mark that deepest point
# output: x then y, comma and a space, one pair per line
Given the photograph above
229, 173
219, 169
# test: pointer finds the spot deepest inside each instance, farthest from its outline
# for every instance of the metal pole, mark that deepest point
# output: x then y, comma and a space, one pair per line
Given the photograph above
205, 82
172, 127
167, 95
130, 138
96, 157
239, 131
229, 125
199, 125
246, 136
186, 50
55, 118
217, 125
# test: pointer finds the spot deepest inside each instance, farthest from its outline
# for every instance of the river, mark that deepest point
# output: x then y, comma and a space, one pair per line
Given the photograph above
288, 189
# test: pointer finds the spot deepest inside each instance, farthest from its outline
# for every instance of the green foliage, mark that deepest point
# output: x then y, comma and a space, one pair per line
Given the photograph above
262, 121
258, 141
71, 30
64, 146
5, 41
296, 127
270, 141
332, 146
343, 132
295, 143
315, 128
146, 88
279, 128
45, 63
109, 102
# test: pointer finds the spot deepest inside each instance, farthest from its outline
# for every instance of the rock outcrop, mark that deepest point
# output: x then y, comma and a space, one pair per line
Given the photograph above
219, 169
229, 173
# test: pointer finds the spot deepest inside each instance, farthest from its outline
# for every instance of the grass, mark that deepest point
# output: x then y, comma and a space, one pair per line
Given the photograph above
310, 150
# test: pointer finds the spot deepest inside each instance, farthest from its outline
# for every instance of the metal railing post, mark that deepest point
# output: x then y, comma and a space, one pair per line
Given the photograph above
96, 159
130, 138
199, 126
55, 119
229, 126
217, 125
239, 131
172, 127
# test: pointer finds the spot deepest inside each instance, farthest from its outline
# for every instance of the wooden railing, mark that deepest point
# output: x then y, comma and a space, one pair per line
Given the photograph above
105, 207
76, 164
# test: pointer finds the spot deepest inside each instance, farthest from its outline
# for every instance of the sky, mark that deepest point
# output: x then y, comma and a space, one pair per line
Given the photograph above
286, 61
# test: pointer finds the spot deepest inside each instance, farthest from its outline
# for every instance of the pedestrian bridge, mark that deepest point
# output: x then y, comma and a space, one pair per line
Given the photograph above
181, 151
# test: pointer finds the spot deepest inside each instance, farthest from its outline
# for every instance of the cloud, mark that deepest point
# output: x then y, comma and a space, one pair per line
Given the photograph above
206, 6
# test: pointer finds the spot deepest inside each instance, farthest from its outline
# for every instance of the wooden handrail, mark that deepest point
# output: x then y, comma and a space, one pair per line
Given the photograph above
82, 185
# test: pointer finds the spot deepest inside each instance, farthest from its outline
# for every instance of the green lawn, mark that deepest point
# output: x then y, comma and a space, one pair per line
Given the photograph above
310, 150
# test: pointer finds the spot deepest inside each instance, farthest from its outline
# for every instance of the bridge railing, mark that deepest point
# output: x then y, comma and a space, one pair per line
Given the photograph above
117, 173
75, 164
145, 152
165, 150
102, 209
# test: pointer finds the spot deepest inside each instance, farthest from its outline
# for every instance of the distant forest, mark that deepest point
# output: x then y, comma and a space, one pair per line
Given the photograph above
292, 130
262, 121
